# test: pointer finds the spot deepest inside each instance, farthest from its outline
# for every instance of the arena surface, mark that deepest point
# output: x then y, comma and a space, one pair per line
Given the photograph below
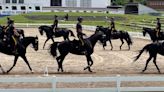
106, 62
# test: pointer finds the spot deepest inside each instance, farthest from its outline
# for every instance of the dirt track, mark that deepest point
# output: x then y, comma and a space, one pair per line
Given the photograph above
106, 62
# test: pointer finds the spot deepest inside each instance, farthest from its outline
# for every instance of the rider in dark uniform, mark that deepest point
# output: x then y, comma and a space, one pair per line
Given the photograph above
9, 21
112, 24
66, 17
80, 33
55, 23
12, 33
158, 27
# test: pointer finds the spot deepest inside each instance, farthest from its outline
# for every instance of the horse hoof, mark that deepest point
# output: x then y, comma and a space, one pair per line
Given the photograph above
143, 71
159, 72
32, 72
58, 70
90, 71
7, 72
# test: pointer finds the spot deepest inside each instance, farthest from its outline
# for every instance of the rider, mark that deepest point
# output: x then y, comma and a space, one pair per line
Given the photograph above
55, 23
9, 21
66, 17
80, 33
158, 27
112, 24
12, 33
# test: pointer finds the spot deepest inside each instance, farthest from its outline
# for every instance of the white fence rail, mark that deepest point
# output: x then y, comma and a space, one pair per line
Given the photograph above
54, 80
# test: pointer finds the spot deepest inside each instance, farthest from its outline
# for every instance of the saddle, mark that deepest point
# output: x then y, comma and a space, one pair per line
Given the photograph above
161, 34
78, 45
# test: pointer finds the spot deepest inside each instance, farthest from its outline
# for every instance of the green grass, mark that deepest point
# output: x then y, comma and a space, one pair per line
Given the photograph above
23, 18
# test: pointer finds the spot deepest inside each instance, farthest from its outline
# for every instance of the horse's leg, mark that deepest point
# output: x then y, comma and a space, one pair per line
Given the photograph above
128, 46
61, 62
111, 44
45, 42
65, 38
156, 63
121, 43
26, 61
2, 69
15, 61
150, 57
52, 39
57, 59
68, 38
90, 63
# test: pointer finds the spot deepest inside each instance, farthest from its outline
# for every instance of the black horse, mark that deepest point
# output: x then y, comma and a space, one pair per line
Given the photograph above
122, 35
50, 33
21, 49
153, 49
74, 47
152, 34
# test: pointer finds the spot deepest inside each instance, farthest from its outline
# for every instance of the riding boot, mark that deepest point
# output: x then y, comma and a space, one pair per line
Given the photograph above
84, 50
15, 50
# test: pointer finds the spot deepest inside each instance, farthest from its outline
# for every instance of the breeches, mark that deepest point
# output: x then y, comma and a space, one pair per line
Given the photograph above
15, 41
81, 39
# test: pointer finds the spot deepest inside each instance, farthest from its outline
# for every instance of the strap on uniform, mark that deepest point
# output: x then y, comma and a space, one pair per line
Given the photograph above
15, 41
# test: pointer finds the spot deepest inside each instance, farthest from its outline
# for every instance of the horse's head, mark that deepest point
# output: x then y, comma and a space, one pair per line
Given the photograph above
148, 30
103, 38
35, 43
98, 28
102, 29
144, 31
41, 28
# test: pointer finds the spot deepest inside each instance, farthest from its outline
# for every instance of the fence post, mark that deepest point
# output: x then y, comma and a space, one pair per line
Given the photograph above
54, 80
118, 83
27, 25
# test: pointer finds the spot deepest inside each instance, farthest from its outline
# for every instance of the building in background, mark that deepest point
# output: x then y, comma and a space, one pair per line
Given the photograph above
156, 4
136, 8
9, 7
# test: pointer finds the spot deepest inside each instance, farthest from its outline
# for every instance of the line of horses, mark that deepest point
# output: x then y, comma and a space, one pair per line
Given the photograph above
66, 46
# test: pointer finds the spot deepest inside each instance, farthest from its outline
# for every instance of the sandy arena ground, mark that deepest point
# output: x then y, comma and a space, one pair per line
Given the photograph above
106, 62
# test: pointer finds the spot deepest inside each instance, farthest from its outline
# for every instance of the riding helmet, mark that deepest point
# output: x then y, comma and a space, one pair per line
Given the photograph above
79, 19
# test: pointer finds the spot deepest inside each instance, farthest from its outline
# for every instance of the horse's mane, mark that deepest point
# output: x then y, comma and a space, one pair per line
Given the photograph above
45, 26
146, 28
95, 34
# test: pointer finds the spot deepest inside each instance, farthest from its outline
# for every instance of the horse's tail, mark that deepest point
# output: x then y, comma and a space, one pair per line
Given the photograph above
53, 49
129, 39
146, 48
72, 34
